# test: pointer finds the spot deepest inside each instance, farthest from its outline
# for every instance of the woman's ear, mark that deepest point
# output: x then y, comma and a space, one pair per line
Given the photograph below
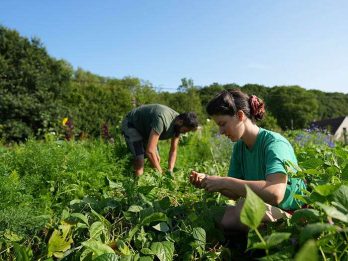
240, 115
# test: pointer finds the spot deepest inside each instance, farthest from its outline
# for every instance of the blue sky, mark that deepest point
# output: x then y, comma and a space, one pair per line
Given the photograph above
267, 42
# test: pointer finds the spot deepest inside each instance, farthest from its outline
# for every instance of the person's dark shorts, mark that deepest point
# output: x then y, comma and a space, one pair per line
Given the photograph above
134, 140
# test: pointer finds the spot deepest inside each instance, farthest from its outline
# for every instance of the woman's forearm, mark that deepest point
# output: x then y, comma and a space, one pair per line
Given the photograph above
270, 192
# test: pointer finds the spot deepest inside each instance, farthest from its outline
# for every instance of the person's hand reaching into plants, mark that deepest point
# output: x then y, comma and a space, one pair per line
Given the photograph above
196, 178
212, 183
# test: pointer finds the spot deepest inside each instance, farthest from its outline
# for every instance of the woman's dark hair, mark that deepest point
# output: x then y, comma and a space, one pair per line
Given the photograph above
228, 102
189, 119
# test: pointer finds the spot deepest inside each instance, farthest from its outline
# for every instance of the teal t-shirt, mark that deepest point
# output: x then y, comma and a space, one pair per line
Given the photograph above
267, 157
157, 117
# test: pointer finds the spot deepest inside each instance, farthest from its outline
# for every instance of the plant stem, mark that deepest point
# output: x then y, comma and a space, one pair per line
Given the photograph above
322, 253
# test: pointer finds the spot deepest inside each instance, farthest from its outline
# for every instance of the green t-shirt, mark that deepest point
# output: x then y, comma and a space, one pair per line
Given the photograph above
267, 157
157, 117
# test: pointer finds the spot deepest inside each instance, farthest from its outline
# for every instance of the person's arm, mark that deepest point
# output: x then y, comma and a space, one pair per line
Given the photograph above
197, 178
172, 153
151, 150
271, 190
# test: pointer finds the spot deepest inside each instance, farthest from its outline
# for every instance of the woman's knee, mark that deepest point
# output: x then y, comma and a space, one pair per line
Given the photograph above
229, 219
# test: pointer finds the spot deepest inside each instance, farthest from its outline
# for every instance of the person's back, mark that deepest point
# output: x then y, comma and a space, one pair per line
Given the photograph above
156, 117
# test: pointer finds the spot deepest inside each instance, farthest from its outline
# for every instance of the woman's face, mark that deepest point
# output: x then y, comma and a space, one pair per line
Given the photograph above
230, 126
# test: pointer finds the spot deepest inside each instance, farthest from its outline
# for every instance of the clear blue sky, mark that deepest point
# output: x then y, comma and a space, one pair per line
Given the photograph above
287, 42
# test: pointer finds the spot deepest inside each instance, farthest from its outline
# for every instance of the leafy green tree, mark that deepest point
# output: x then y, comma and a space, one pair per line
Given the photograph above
187, 99
269, 122
256, 89
208, 92
293, 106
32, 86
95, 101
331, 105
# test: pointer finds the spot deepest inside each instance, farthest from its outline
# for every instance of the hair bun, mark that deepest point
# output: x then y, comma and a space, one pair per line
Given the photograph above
257, 107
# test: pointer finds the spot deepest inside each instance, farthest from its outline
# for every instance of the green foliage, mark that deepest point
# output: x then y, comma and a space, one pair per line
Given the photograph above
332, 105
308, 252
293, 106
92, 104
32, 86
38, 91
253, 210
78, 200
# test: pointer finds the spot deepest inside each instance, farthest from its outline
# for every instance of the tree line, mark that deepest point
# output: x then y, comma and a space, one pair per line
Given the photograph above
38, 91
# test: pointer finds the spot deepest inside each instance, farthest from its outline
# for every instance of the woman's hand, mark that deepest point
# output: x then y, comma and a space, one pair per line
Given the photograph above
196, 178
212, 183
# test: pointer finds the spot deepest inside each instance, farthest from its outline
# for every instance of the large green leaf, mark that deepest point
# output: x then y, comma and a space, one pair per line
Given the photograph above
107, 257
273, 240
276, 238
97, 247
154, 217
314, 230
333, 212
163, 250
22, 253
341, 196
311, 163
309, 252
305, 215
145, 189
146, 258
80, 217
101, 218
60, 241
135, 209
199, 235
162, 226
326, 189
147, 251
253, 209
96, 229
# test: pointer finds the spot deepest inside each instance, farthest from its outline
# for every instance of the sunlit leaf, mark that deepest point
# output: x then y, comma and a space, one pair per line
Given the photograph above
97, 247
134, 209
314, 231
146, 258
199, 235
253, 209
305, 215
80, 217
12, 236
325, 189
22, 253
341, 195
107, 257
163, 250
162, 226
60, 241
333, 212
147, 251
309, 252
96, 229
158, 216
276, 238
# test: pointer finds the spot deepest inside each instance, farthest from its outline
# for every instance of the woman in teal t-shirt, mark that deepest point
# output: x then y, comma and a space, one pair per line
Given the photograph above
257, 160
